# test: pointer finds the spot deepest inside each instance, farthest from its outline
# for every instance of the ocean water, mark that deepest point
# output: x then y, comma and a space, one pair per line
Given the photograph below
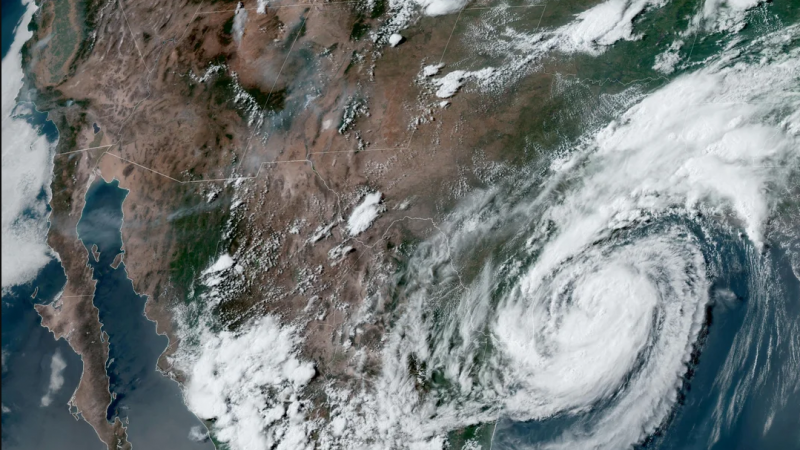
739, 389
638, 290
767, 413
40, 374
28, 351
12, 13
150, 403
34, 396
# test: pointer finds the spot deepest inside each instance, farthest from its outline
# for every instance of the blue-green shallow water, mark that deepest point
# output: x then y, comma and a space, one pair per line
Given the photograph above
150, 402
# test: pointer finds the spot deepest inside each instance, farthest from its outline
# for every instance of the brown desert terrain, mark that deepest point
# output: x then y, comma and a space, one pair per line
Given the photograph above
274, 126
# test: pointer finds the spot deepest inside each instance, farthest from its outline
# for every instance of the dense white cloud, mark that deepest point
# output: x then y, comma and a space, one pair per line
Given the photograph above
591, 32
249, 383
725, 15
364, 214
441, 7
27, 170
223, 263
395, 39
710, 142
575, 328
667, 61
603, 25
717, 143
57, 366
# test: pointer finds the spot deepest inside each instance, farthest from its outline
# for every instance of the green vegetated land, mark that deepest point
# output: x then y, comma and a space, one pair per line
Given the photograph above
64, 39
63, 30
196, 229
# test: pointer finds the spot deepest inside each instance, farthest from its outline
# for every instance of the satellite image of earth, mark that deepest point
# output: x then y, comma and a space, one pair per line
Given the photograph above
401, 224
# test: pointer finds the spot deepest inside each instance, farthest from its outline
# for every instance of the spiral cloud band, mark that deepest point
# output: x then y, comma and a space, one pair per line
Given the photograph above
575, 292
582, 296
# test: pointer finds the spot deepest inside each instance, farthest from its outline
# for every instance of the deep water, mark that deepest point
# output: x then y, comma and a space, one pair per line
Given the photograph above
12, 13
28, 348
150, 403
761, 420
758, 408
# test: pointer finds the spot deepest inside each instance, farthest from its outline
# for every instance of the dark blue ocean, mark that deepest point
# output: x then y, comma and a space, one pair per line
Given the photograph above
28, 348
150, 401
759, 391
157, 418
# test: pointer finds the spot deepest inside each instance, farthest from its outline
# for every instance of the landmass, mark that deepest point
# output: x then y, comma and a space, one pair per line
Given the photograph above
257, 132
117, 260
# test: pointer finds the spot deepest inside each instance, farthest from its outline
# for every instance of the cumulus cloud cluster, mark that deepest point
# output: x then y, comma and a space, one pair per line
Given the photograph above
725, 15
719, 143
57, 366
716, 143
441, 7
249, 383
591, 32
364, 214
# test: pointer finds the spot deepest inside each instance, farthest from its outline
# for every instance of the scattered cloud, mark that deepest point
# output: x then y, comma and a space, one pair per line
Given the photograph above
57, 366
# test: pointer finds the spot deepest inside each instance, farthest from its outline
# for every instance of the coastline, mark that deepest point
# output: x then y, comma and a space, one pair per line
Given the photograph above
74, 298
149, 401
74, 317
155, 311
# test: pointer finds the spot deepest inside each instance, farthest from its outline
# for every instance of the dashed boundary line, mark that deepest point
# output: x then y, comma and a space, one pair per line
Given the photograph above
486, 8
450, 37
139, 165
258, 172
306, 160
349, 2
539, 23
188, 25
133, 36
83, 150
275, 83
283, 65
473, 8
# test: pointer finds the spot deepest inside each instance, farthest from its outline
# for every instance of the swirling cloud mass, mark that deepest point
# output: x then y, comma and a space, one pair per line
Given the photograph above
581, 293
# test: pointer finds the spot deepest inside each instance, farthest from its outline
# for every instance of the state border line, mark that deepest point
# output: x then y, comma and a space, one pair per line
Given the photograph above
133, 36
291, 49
260, 165
275, 83
83, 150
486, 8
268, 7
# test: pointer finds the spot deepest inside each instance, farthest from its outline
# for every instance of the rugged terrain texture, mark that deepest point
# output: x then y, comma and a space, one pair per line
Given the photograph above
255, 134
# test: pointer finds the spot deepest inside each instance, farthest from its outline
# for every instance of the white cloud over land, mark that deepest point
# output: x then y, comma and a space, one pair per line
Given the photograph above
249, 384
